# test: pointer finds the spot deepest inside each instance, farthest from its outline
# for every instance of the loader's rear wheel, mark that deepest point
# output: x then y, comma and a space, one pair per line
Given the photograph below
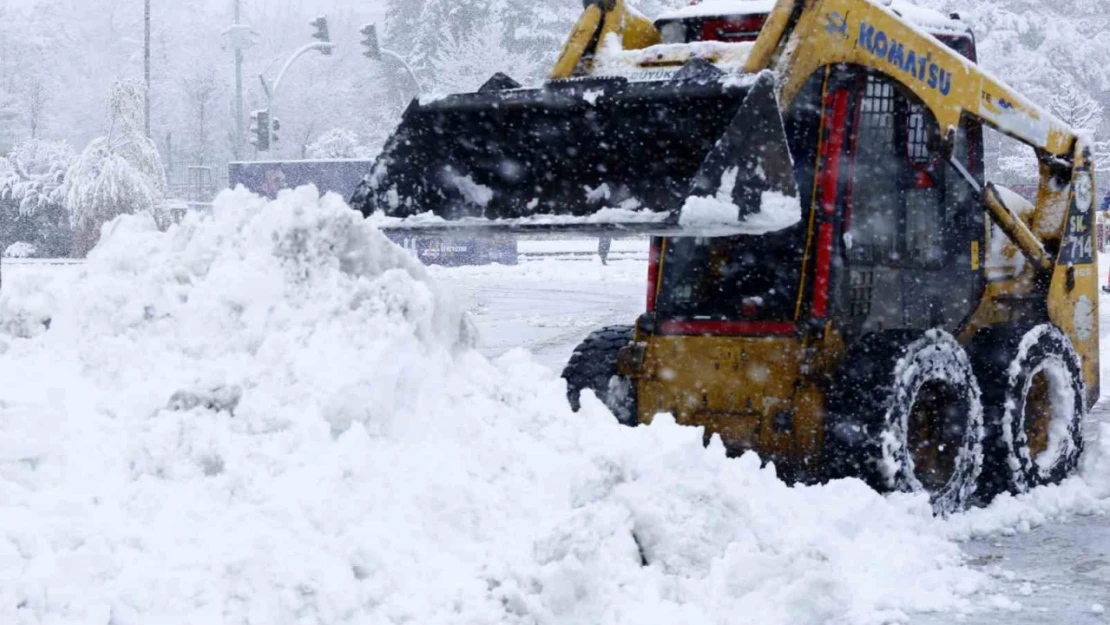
594, 366
906, 415
1034, 401
935, 430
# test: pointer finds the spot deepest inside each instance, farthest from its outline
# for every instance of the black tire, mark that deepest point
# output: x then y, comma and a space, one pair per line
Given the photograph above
594, 366
1010, 363
892, 387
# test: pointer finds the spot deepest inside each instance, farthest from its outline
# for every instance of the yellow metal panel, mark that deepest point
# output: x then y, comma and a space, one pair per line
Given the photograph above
863, 33
1010, 222
1052, 207
1073, 302
770, 38
809, 427
636, 31
1011, 113
812, 228
578, 43
733, 386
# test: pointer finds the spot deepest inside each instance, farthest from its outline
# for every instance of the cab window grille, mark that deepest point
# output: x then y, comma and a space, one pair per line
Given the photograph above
919, 136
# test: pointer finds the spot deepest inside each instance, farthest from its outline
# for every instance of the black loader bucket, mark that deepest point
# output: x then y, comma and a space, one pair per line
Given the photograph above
574, 148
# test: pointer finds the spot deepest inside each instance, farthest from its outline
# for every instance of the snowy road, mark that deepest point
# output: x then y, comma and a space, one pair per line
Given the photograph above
1054, 573
1057, 573
549, 306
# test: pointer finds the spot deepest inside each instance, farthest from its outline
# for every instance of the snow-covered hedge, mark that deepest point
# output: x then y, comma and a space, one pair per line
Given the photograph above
34, 173
20, 250
32, 207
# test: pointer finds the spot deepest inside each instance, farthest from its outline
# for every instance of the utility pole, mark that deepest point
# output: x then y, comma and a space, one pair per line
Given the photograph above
146, 62
240, 37
238, 89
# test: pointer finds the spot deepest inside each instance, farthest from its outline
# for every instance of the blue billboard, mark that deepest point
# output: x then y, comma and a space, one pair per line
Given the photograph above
458, 251
269, 177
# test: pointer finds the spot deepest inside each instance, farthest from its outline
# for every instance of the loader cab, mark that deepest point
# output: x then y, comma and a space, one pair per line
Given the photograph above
911, 231
890, 239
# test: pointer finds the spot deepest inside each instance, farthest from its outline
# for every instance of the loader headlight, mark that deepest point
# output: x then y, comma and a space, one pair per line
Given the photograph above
1084, 192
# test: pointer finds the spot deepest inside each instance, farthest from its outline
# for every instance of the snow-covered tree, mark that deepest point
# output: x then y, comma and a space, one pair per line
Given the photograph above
1102, 156
32, 198
337, 143
35, 175
466, 61
118, 174
1075, 107
537, 28
200, 92
418, 29
35, 96
521, 36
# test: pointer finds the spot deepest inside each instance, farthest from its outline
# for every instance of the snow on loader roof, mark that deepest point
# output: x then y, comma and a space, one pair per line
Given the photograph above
930, 20
274, 415
713, 8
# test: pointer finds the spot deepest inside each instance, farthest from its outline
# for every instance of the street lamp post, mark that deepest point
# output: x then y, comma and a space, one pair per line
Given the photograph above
322, 45
146, 64
240, 37
376, 52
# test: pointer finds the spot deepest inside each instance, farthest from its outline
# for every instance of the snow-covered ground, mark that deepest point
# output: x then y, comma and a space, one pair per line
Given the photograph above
1048, 564
276, 416
548, 306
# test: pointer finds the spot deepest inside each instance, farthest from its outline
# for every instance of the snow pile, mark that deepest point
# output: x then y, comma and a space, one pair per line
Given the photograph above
663, 60
274, 416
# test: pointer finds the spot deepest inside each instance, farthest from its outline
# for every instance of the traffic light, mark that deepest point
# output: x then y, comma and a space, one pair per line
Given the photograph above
275, 126
252, 131
370, 41
322, 34
260, 130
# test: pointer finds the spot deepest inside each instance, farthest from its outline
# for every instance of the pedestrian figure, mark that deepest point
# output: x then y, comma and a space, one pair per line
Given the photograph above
1103, 224
603, 245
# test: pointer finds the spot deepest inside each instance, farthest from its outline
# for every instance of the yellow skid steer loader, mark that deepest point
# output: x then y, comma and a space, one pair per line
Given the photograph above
833, 283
